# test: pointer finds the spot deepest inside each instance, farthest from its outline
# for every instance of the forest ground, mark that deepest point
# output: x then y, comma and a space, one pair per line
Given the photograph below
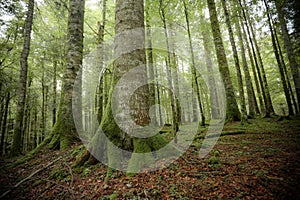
261, 162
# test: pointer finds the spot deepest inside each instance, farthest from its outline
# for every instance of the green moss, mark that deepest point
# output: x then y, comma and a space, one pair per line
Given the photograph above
113, 196
213, 160
216, 153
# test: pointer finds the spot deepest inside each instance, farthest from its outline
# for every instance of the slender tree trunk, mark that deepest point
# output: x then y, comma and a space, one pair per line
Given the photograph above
54, 93
262, 83
16, 144
4, 123
289, 49
100, 40
261, 70
212, 84
244, 118
286, 74
194, 72
150, 64
64, 132
232, 111
279, 63
255, 74
253, 107
168, 70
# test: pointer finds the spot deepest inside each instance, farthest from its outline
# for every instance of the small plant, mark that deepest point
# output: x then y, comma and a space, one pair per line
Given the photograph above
213, 160
216, 153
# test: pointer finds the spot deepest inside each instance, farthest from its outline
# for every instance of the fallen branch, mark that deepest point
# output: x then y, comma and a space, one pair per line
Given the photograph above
27, 178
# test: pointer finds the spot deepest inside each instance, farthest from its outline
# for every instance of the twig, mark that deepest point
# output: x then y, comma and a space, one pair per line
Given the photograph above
27, 178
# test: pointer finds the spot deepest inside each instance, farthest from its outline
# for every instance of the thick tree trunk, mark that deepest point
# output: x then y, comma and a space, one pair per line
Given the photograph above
64, 132
232, 111
16, 144
289, 49
244, 118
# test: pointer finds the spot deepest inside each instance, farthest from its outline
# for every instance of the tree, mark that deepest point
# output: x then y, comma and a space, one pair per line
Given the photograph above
232, 111
289, 49
64, 131
194, 72
16, 145
236, 62
279, 63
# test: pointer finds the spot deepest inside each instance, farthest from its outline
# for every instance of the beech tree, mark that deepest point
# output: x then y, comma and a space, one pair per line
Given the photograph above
16, 143
232, 112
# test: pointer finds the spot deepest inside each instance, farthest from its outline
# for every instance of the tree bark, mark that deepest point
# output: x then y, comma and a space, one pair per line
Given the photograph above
244, 118
279, 63
260, 68
232, 111
16, 143
253, 107
289, 49
64, 132
4, 123
194, 72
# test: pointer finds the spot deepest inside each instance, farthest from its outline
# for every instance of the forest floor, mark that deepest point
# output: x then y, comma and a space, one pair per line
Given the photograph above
262, 162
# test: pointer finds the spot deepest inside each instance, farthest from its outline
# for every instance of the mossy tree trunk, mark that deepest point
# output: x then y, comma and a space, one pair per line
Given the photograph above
279, 63
64, 131
269, 110
232, 111
4, 122
289, 49
16, 143
252, 103
252, 64
244, 118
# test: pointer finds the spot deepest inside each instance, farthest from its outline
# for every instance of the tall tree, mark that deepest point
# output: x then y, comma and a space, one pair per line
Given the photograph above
64, 131
16, 144
252, 103
279, 62
236, 62
289, 48
232, 111
194, 72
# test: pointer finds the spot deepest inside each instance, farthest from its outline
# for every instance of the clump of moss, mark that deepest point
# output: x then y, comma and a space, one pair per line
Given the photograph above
213, 160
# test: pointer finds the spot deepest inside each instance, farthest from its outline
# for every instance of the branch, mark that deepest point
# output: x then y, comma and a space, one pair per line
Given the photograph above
27, 178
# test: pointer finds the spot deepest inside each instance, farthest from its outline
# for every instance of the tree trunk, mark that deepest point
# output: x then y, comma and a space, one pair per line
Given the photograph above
244, 118
289, 49
279, 63
253, 107
265, 88
232, 111
64, 132
100, 40
255, 74
175, 122
4, 123
16, 144
211, 80
194, 72
54, 93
